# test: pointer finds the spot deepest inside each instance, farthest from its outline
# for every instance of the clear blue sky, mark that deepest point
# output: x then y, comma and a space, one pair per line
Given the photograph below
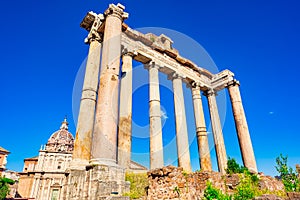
42, 49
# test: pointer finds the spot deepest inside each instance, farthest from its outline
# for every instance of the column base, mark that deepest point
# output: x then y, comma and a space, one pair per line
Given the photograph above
103, 161
95, 181
252, 170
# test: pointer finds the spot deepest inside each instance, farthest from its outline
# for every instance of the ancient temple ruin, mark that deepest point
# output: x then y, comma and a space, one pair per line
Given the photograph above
103, 136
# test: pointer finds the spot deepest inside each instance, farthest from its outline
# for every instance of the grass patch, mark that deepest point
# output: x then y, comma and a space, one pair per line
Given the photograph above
138, 185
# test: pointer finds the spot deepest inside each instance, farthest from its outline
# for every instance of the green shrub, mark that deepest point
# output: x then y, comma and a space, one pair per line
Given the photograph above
212, 193
233, 167
288, 176
138, 185
248, 187
4, 186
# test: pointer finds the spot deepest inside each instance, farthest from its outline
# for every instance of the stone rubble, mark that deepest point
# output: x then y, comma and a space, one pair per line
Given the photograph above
268, 197
174, 183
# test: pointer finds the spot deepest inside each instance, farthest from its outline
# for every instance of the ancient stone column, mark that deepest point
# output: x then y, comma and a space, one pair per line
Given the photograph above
203, 147
183, 150
217, 131
298, 169
85, 122
104, 147
125, 114
156, 143
242, 127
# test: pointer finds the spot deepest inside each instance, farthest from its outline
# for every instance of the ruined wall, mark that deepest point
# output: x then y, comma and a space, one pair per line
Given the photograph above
96, 182
25, 184
173, 183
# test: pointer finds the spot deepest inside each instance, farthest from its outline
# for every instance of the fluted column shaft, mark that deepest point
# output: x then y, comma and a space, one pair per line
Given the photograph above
156, 143
125, 114
85, 122
217, 132
104, 147
242, 127
203, 146
183, 151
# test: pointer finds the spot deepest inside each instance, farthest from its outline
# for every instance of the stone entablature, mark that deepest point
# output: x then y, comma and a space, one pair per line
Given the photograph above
149, 47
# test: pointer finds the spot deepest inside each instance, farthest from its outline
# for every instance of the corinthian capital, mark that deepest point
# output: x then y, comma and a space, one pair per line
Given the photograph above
210, 92
176, 75
196, 85
152, 64
117, 11
94, 34
234, 82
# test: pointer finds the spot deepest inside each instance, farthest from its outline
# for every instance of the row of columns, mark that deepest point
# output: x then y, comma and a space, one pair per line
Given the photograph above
156, 146
97, 136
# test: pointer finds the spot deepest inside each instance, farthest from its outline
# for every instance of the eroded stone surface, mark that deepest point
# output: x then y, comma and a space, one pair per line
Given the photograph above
172, 182
104, 146
294, 195
182, 139
156, 142
217, 131
95, 182
242, 127
268, 197
202, 139
125, 114
85, 123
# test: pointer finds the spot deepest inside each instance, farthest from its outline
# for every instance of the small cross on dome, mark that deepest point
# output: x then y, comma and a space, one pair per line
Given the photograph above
64, 124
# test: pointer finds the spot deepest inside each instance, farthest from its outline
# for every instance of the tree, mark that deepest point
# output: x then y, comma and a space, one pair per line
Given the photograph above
288, 176
4, 186
233, 167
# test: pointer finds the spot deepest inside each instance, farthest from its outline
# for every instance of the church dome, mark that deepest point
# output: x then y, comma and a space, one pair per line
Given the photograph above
61, 140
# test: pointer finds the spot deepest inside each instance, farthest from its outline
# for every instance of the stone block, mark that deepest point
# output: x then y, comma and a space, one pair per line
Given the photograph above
96, 182
268, 197
293, 195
